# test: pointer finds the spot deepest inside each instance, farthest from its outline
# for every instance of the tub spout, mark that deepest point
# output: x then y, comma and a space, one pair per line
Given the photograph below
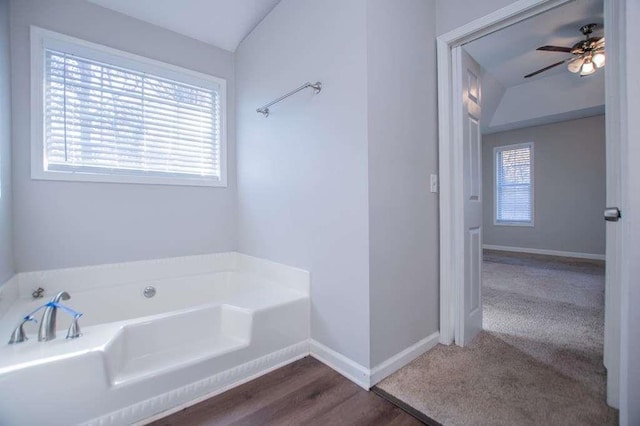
47, 329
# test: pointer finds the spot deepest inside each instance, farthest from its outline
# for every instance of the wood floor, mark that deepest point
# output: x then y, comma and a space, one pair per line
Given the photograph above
305, 392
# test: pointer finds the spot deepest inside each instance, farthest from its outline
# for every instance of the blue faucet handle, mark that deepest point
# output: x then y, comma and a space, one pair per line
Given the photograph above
73, 313
30, 318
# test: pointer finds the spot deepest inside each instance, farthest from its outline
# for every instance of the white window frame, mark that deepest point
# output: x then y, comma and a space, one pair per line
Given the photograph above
496, 222
42, 39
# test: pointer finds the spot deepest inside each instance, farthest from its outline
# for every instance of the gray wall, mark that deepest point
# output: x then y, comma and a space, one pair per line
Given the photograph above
403, 214
338, 183
569, 187
302, 172
61, 224
6, 245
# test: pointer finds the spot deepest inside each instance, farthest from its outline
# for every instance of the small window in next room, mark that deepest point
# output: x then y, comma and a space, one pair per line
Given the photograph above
514, 185
103, 115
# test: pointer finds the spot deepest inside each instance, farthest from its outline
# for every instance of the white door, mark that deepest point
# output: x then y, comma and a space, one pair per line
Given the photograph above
469, 321
613, 240
614, 234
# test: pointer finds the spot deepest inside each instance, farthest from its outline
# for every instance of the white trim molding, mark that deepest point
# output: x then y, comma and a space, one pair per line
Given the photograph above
350, 369
396, 362
362, 376
560, 253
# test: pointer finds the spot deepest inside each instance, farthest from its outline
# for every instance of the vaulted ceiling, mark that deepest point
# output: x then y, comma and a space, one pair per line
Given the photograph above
222, 23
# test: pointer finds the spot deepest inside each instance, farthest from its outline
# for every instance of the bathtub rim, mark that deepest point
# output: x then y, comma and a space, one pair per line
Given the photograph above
83, 278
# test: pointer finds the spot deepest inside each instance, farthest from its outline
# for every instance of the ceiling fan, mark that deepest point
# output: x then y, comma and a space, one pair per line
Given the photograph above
588, 54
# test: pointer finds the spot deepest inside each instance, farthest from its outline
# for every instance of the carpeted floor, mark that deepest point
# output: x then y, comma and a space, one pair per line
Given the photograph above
539, 360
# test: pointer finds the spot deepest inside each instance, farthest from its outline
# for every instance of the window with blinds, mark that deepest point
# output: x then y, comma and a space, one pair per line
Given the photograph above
514, 187
128, 119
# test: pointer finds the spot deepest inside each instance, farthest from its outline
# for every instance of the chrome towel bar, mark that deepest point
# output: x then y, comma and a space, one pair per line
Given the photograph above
317, 88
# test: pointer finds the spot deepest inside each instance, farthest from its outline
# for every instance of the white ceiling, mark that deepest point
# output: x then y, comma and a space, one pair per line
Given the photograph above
222, 23
510, 54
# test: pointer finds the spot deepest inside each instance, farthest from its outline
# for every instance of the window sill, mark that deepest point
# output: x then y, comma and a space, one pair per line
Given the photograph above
517, 224
77, 176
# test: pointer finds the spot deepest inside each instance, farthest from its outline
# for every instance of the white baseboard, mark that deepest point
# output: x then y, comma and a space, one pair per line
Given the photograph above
559, 253
396, 362
362, 376
347, 367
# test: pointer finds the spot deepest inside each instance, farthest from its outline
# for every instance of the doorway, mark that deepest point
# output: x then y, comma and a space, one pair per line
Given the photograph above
459, 257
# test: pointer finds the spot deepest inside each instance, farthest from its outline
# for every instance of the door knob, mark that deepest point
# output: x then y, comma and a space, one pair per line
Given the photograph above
612, 214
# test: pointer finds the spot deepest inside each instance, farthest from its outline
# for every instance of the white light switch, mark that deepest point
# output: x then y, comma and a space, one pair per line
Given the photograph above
434, 183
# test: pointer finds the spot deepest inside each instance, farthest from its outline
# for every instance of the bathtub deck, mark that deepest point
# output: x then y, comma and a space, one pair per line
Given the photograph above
305, 392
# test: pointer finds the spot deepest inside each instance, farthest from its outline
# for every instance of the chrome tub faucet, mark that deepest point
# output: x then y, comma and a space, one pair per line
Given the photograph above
47, 329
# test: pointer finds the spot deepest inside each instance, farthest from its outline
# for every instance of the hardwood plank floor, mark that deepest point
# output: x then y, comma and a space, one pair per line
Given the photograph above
304, 392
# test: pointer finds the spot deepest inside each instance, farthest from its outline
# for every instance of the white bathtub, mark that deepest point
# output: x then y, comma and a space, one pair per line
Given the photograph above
215, 321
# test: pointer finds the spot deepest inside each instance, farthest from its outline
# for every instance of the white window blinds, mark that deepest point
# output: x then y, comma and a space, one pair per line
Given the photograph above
106, 119
514, 194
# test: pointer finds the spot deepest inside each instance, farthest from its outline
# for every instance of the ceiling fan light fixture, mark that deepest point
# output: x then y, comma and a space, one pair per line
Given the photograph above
599, 59
587, 67
575, 65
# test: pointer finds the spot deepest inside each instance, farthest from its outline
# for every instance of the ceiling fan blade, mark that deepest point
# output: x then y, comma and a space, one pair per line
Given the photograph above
555, 49
545, 69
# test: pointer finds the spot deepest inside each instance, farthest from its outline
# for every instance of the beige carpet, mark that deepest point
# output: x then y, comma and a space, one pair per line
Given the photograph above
539, 360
